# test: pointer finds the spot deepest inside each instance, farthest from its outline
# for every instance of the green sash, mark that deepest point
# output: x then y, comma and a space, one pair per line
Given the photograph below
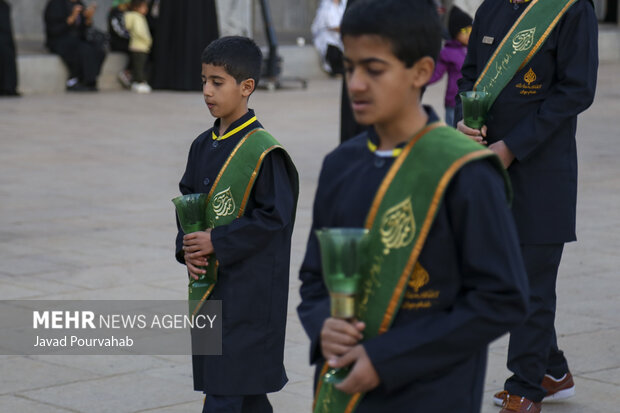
228, 198
522, 42
399, 220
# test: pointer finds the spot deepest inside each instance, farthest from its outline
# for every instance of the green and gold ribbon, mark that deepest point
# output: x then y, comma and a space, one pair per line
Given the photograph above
523, 41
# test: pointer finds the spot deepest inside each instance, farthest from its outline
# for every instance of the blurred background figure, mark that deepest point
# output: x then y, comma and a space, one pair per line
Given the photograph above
451, 58
139, 43
183, 29
8, 68
119, 37
348, 126
326, 34
69, 33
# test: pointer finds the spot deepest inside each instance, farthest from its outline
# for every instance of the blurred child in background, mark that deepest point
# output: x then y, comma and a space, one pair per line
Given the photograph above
451, 58
140, 42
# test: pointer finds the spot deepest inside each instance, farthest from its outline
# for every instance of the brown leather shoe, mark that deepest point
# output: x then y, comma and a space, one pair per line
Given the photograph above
518, 404
557, 389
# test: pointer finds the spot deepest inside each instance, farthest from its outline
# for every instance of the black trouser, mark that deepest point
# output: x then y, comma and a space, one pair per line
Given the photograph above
138, 65
237, 404
533, 349
333, 56
83, 59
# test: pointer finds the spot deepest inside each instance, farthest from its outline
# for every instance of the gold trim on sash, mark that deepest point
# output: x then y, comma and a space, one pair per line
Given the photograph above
393, 170
504, 40
534, 49
205, 296
248, 189
545, 34
232, 154
424, 230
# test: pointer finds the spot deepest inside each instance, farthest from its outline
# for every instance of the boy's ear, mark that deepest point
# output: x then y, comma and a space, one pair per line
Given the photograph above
423, 70
247, 87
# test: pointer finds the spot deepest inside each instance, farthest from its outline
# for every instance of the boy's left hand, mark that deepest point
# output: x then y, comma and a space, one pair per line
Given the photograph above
198, 244
363, 377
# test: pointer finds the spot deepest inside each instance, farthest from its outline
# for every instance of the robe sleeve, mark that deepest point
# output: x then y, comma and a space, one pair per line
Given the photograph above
493, 291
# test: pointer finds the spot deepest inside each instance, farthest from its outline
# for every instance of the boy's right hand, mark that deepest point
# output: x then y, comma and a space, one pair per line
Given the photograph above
193, 263
339, 336
475, 134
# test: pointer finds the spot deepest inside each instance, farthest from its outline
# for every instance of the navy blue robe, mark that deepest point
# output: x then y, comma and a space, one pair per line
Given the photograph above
432, 359
253, 274
538, 120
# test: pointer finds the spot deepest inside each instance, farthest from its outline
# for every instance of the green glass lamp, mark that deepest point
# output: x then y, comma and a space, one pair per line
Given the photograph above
191, 210
475, 108
343, 252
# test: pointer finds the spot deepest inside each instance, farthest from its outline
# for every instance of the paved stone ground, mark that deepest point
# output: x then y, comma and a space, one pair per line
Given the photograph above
85, 213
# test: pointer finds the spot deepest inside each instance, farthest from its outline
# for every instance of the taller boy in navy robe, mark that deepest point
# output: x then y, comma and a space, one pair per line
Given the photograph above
532, 126
464, 283
253, 251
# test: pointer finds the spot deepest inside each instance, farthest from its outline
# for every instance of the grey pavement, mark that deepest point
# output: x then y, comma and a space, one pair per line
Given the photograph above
85, 213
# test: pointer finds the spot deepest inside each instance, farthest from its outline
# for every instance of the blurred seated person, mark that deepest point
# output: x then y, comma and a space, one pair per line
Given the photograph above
8, 67
326, 34
66, 26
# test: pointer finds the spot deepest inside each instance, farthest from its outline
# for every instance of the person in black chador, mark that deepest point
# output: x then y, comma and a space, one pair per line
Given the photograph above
183, 29
348, 126
8, 67
531, 125
250, 238
66, 24
443, 275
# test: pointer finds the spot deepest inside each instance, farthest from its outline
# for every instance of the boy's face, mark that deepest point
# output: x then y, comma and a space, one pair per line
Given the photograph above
225, 98
381, 88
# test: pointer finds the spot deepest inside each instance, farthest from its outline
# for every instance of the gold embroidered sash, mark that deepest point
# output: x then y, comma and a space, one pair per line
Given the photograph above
519, 46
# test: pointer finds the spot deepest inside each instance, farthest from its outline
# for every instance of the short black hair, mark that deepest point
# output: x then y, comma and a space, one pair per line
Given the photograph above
411, 26
239, 56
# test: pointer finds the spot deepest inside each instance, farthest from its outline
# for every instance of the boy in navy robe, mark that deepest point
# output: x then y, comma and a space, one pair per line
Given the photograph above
532, 127
468, 285
253, 251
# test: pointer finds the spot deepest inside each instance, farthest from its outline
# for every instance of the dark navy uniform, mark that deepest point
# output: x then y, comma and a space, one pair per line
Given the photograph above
253, 274
536, 116
433, 357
